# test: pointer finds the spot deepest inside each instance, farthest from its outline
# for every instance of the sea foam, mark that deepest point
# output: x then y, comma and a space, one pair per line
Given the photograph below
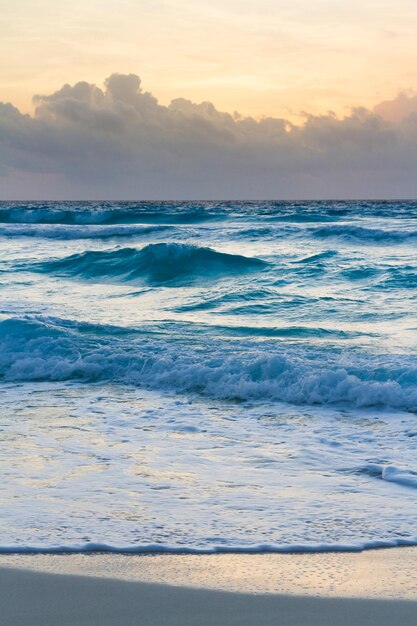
55, 350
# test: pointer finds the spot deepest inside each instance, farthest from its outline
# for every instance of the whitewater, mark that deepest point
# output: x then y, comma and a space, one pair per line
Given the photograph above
204, 377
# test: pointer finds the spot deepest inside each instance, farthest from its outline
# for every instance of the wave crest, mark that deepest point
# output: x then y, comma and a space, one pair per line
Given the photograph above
158, 263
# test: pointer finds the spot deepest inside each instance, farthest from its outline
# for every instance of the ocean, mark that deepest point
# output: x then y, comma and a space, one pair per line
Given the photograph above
208, 377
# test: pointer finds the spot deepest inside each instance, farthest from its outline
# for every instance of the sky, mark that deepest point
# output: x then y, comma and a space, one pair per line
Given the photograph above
309, 80
269, 57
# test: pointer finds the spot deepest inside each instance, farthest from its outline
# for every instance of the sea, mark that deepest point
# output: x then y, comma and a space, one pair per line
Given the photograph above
208, 376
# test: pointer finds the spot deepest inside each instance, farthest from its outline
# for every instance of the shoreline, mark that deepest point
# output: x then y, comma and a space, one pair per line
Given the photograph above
365, 589
388, 573
166, 551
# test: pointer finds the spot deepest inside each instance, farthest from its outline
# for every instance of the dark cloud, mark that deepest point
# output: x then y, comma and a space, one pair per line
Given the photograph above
118, 142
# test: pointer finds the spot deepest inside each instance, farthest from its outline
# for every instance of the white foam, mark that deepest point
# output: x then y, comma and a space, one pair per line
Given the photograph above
43, 350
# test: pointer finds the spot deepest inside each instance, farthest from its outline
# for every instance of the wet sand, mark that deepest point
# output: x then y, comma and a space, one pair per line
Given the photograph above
372, 588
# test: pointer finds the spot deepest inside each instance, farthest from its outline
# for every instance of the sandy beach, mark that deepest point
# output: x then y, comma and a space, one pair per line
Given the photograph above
376, 587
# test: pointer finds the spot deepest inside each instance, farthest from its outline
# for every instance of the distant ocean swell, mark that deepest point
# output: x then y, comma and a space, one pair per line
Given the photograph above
364, 234
96, 213
55, 350
68, 230
100, 215
65, 232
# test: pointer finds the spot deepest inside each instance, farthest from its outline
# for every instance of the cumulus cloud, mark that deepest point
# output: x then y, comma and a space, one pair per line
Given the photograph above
120, 143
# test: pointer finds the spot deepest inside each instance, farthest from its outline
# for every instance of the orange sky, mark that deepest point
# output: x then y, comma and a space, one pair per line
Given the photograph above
272, 57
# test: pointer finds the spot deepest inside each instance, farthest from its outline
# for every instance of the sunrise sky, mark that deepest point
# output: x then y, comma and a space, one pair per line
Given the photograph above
265, 59
269, 57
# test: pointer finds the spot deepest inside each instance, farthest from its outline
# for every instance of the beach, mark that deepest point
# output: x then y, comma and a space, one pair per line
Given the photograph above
372, 587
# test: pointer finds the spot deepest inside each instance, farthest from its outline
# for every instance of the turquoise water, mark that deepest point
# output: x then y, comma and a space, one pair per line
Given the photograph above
208, 376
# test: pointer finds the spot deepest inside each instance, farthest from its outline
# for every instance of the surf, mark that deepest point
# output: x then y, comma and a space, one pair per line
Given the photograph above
60, 350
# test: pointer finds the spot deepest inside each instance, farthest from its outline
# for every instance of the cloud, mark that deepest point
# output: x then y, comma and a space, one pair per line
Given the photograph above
119, 143
398, 109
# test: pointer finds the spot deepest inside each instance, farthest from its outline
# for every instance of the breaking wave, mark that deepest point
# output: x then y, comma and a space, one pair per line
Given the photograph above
58, 350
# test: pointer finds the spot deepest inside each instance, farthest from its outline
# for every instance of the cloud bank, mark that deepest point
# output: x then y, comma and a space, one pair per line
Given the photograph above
119, 143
